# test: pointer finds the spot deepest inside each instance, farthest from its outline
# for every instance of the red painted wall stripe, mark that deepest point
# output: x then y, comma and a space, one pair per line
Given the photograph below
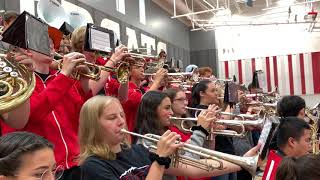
275, 71
268, 74
316, 71
226, 68
240, 71
302, 74
291, 83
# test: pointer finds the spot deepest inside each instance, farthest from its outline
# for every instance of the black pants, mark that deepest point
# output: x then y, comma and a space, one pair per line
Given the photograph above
71, 174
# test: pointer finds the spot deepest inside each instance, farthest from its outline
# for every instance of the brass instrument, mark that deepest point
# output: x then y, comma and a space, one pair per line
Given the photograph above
248, 163
314, 129
122, 71
193, 75
242, 116
137, 55
17, 83
240, 123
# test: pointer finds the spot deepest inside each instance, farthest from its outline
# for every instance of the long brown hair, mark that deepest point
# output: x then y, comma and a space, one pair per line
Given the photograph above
90, 131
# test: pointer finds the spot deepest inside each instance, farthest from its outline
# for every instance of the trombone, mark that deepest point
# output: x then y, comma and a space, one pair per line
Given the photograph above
150, 140
122, 71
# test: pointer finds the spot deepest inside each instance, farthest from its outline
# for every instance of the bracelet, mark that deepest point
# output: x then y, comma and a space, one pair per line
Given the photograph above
200, 128
163, 161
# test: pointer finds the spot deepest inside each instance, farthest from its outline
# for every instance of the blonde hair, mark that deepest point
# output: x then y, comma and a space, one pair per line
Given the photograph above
90, 131
77, 39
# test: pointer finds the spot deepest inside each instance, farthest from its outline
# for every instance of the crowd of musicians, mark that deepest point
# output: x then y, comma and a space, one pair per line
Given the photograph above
80, 128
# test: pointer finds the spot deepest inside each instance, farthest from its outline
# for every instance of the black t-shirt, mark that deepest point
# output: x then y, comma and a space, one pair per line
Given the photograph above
130, 164
223, 143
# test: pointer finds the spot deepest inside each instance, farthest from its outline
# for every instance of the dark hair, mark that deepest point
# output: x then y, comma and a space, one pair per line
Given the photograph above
290, 127
290, 106
9, 16
172, 93
147, 118
196, 89
304, 167
14, 145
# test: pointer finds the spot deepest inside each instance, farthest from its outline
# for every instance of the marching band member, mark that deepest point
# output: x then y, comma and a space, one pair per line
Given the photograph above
77, 42
286, 107
25, 155
293, 140
136, 90
106, 153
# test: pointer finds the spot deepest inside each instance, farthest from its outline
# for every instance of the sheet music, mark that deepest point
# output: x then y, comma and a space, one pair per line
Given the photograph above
100, 40
266, 130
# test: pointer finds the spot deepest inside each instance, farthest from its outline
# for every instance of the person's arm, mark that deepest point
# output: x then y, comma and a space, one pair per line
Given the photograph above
123, 92
18, 117
47, 99
96, 86
166, 146
160, 74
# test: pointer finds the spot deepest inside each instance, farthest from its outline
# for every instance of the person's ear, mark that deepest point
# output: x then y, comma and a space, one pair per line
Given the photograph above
291, 142
201, 93
302, 113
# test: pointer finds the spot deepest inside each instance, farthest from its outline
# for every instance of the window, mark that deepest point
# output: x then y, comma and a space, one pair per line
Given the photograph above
142, 11
121, 6
109, 24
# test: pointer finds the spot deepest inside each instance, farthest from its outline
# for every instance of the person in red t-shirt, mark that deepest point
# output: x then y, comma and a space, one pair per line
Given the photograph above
135, 92
293, 140
77, 42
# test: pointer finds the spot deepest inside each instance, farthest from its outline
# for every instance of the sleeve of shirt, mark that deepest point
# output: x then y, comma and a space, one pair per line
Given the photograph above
41, 104
111, 87
134, 97
97, 170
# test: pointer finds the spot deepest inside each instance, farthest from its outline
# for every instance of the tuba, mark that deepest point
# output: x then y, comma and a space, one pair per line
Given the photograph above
17, 83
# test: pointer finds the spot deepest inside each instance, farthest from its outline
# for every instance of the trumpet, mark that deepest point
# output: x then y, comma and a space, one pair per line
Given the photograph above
194, 76
122, 71
242, 116
249, 163
214, 132
137, 55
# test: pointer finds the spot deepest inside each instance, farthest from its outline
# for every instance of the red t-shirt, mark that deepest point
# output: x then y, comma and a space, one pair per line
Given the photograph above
273, 162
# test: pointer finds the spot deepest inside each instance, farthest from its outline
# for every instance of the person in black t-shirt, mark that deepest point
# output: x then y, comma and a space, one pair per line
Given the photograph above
205, 93
105, 152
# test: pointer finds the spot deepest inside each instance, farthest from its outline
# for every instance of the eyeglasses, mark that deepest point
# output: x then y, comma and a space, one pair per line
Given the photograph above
57, 173
47, 174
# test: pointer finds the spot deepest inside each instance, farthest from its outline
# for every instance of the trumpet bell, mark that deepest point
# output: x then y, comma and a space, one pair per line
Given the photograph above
17, 83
